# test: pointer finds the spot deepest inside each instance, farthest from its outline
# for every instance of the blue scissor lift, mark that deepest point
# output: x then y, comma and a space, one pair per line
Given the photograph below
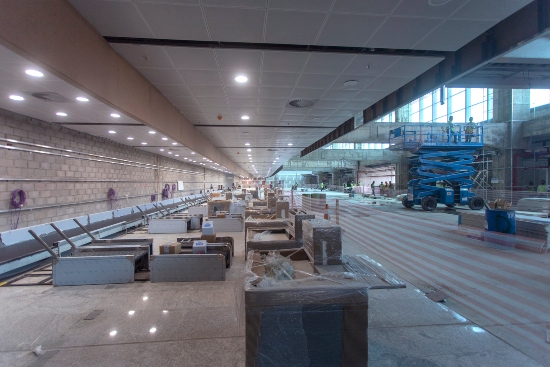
442, 166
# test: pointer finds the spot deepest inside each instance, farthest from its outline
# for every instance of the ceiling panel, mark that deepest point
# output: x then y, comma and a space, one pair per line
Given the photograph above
370, 65
192, 58
174, 21
321, 63
319, 81
242, 92
293, 27
276, 93
279, 79
410, 67
309, 5
340, 95
235, 24
384, 83
207, 91
144, 56
239, 60
284, 61
365, 6
349, 29
174, 89
489, 9
398, 32
161, 76
120, 19
305, 93
264, 102
201, 77
422, 8
453, 34
237, 3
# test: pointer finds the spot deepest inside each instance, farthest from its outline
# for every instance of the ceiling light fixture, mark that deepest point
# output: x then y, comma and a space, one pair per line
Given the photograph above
112, 333
192, 152
289, 144
152, 132
17, 98
62, 114
177, 155
115, 115
169, 152
164, 138
174, 143
130, 138
249, 150
112, 132
350, 83
35, 73
245, 117
143, 143
247, 144
162, 150
82, 99
241, 79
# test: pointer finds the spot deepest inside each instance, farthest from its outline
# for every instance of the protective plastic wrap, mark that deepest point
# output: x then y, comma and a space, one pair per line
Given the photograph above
218, 206
282, 208
294, 315
322, 241
295, 223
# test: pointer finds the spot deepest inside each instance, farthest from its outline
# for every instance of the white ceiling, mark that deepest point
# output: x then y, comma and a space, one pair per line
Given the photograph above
92, 117
200, 82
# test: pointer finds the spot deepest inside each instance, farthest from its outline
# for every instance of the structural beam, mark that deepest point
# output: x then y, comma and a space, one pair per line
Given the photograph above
522, 26
272, 47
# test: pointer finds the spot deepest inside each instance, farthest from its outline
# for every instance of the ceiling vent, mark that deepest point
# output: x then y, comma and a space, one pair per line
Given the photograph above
50, 97
301, 103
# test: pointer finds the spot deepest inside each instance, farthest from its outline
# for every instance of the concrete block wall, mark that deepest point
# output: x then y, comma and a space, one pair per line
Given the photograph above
59, 186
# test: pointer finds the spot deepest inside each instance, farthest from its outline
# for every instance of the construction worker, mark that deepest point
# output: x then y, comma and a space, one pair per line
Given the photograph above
542, 187
469, 130
451, 130
531, 186
390, 185
372, 186
322, 186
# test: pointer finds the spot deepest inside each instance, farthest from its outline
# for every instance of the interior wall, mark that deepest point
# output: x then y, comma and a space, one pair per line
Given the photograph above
59, 186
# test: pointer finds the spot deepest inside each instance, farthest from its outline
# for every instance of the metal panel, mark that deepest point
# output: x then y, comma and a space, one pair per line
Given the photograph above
187, 268
168, 225
93, 270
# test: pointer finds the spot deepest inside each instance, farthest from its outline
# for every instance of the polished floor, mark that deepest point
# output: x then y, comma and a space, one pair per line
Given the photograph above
199, 324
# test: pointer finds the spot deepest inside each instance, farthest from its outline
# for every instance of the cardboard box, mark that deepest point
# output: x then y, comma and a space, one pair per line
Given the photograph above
282, 208
220, 215
170, 248
200, 247
208, 228
271, 202
218, 206
322, 241
499, 204
319, 323
211, 238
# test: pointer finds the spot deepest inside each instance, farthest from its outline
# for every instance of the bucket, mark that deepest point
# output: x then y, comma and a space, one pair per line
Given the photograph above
500, 220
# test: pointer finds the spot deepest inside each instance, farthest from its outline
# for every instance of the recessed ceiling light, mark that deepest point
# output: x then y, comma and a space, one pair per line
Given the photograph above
249, 150
192, 152
204, 158
184, 157
247, 144
162, 150
194, 161
241, 79
112, 333
350, 83
112, 132
130, 138
174, 143
63, 114
35, 73
152, 132
115, 115
164, 138
143, 143
289, 144
249, 155
82, 99
245, 117
177, 155
153, 330
131, 312
17, 98
169, 152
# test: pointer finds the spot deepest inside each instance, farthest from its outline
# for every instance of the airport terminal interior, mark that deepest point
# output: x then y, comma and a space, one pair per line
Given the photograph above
275, 183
